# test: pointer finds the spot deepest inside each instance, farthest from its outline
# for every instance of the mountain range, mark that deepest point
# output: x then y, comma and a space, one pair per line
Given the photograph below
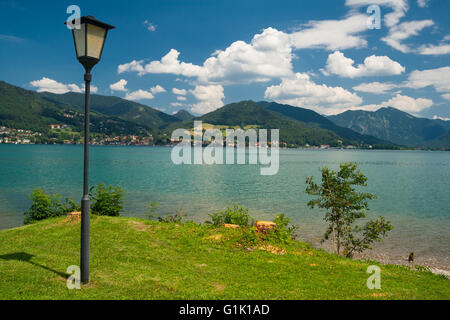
396, 126
249, 114
313, 118
385, 128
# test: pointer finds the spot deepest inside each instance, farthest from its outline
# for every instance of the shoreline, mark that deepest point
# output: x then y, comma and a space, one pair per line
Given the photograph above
301, 148
433, 264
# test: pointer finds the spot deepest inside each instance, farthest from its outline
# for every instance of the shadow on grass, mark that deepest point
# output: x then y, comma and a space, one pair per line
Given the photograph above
26, 257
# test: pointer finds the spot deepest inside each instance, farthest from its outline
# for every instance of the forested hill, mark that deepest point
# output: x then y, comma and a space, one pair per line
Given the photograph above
29, 110
247, 114
116, 107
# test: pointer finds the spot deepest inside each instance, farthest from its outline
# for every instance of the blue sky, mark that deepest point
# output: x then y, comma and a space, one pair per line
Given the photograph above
200, 55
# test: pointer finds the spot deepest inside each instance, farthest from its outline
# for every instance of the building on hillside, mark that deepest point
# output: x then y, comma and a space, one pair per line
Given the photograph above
58, 126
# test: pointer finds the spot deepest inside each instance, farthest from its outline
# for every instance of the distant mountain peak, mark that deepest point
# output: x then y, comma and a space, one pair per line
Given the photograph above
183, 115
315, 119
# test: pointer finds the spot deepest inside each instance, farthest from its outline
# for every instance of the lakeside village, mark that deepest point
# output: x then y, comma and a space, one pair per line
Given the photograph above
62, 134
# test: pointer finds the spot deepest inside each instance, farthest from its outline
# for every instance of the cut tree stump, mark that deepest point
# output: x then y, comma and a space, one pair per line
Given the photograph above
263, 226
74, 216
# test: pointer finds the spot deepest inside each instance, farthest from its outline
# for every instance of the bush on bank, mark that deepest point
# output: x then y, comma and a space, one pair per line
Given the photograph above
106, 200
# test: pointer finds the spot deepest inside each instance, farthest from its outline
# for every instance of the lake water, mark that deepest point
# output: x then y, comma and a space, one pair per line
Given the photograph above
413, 188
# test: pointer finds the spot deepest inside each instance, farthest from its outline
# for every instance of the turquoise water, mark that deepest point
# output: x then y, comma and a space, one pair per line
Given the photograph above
413, 187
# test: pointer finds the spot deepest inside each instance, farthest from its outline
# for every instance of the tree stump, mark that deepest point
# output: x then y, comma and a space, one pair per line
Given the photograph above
264, 226
74, 216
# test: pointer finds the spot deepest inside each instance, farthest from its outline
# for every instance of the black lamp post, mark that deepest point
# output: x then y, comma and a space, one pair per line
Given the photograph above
89, 41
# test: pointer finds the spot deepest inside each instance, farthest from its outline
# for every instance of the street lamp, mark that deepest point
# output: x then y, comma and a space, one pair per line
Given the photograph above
89, 39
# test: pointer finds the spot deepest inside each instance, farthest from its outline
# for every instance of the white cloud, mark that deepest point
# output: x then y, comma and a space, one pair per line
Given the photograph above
338, 64
300, 91
181, 92
331, 34
50, 85
119, 85
399, 7
77, 89
150, 26
423, 3
375, 87
446, 96
435, 49
435, 117
268, 56
168, 64
157, 89
139, 95
438, 78
136, 95
404, 31
404, 103
210, 98
134, 65
408, 104
176, 104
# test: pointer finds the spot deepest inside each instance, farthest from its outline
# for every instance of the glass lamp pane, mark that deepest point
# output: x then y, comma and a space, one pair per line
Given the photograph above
95, 40
80, 40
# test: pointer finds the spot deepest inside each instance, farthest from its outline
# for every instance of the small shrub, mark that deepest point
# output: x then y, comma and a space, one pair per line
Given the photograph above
153, 207
153, 214
174, 218
171, 218
46, 206
283, 234
108, 200
233, 215
249, 237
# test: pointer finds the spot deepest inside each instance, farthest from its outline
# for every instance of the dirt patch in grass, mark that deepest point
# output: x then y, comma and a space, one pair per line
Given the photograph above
201, 265
139, 225
219, 287
377, 295
272, 249
380, 294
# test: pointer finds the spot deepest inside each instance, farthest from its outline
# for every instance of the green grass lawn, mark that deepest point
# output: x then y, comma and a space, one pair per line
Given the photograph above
140, 259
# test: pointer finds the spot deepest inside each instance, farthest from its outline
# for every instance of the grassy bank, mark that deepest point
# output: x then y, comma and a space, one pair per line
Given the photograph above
139, 259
